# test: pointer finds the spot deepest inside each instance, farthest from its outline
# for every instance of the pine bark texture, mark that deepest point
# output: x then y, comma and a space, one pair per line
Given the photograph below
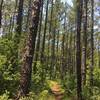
26, 68
84, 49
92, 43
78, 47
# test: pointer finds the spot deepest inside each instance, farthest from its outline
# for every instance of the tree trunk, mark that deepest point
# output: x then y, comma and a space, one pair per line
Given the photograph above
53, 71
43, 42
38, 41
13, 16
92, 43
1, 3
19, 22
28, 16
78, 52
44, 34
98, 53
49, 44
26, 68
84, 49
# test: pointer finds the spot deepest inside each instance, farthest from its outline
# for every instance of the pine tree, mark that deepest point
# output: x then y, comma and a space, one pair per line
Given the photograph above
92, 43
19, 22
26, 68
84, 48
1, 4
78, 52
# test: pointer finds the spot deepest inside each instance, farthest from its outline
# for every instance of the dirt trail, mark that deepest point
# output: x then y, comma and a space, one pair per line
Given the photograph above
56, 90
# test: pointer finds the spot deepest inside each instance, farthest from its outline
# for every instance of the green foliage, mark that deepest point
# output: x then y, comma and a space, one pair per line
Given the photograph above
95, 88
95, 97
43, 95
86, 92
9, 74
70, 84
42, 83
97, 77
31, 96
7, 57
5, 96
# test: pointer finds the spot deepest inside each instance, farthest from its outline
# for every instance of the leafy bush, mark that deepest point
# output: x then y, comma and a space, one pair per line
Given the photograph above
31, 96
9, 74
97, 77
5, 96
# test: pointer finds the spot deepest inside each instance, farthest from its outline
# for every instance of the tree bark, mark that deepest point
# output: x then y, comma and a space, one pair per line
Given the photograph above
92, 43
44, 34
26, 68
78, 47
1, 4
19, 21
84, 49
38, 41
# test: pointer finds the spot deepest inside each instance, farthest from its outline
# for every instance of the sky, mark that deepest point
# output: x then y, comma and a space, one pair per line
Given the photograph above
68, 1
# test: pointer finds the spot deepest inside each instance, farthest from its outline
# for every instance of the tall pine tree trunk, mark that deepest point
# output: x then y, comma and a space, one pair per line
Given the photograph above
43, 42
13, 17
28, 16
26, 68
84, 49
92, 43
38, 41
44, 34
78, 52
19, 21
49, 43
98, 53
1, 3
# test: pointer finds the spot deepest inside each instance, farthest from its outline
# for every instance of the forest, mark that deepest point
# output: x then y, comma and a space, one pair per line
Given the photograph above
49, 49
